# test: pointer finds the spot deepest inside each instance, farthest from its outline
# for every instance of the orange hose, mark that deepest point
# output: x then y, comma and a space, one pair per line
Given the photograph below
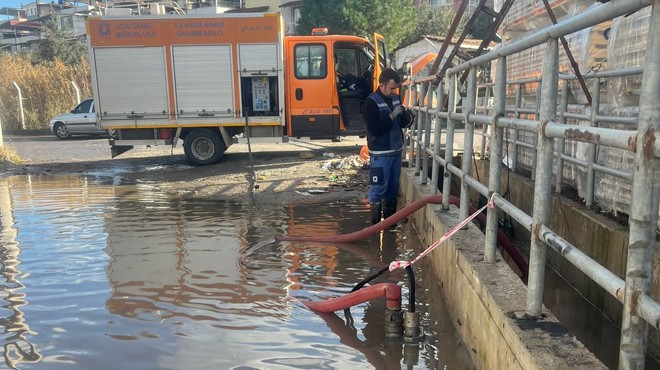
391, 292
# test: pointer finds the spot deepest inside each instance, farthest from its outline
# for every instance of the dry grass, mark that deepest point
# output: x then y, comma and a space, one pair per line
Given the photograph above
46, 89
8, 155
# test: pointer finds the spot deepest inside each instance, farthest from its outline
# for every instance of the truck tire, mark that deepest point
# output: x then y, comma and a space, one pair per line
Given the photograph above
203, 146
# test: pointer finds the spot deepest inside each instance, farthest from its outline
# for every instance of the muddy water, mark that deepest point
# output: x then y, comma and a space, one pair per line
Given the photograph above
99, 274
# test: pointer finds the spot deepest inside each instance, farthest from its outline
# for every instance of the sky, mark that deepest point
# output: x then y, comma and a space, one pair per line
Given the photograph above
17, 4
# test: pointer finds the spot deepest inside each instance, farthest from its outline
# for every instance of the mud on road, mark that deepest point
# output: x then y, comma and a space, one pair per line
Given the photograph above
296, 171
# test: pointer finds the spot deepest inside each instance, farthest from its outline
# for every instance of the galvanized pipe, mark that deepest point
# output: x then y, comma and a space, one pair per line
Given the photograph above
484, 128
495, 163
599, 135
622, 72
435, 171
514, 137
591, 154
449, 142
614, 172
427, 134
468, 142
421, 122
519, 124
567, 26
413, 127
645, 197
599, 118
536, 138
599, 274
476, 185
608, 73
524, 110
542, 185
559, 177
517, 214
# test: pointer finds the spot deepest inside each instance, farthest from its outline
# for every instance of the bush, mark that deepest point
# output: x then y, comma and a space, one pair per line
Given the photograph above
46, 89
7, 155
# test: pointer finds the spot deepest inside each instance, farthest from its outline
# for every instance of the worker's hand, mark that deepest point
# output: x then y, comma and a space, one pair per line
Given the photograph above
396, 112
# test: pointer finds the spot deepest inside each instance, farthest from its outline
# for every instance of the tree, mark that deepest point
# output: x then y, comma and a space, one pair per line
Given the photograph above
436, 22
394, 19
61, 44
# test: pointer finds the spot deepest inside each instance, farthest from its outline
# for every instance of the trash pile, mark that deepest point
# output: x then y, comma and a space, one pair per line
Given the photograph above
338, 163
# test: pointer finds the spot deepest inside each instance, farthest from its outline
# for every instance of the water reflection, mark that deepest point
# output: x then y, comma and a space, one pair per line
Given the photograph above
118, 275
17, 348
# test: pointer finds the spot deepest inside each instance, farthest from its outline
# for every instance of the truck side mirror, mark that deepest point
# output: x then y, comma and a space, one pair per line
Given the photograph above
405, 71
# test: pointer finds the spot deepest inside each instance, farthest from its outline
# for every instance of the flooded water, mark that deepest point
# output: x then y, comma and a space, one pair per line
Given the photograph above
98, 274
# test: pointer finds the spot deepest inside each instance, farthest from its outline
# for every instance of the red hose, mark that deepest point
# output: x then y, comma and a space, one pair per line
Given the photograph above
391, 292
371, 230
405, 212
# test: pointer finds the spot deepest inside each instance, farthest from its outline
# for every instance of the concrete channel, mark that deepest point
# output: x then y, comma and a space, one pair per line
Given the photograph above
487, 300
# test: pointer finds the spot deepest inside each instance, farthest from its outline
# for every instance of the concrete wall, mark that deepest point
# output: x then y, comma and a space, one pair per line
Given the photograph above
485, 300
599, 236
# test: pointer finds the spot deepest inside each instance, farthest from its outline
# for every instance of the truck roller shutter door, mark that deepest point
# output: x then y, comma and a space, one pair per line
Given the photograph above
131, 79
258, 57
203, 79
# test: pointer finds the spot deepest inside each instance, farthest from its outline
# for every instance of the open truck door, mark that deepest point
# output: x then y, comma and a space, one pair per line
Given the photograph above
381, 57
309, 84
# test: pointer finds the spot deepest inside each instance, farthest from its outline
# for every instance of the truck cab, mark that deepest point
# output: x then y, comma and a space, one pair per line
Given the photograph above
329, 77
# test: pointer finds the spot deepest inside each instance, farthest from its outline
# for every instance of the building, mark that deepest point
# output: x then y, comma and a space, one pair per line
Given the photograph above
24, 31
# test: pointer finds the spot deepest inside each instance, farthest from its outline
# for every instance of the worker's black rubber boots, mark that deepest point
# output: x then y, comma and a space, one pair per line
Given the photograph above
375, 212
389, 208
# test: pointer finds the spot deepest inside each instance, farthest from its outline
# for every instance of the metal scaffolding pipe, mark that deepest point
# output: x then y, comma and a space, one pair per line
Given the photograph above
599, 118
517, 214
519, 124
484, 127
449, 141
542, 185
645, 196
411, 130
435, 170
495, 163
427, 135
559, 177
598, 135
468, 143
591, 154
421, 121
516, 133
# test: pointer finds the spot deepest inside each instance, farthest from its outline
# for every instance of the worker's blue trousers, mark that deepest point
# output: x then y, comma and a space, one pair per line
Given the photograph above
384, 175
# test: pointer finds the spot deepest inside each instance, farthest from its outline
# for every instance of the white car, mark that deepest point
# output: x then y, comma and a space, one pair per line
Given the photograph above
80, 121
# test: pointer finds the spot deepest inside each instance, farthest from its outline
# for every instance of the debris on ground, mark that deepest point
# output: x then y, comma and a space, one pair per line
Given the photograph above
306, 155
350, 162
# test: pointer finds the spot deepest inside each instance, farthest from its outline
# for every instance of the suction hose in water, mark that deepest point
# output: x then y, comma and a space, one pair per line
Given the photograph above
405, 212
391, 292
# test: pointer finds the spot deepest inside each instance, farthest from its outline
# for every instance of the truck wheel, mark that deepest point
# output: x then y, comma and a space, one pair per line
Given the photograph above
61, 131
203, 146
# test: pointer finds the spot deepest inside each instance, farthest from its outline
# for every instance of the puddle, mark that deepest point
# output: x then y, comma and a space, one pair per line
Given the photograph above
99, 273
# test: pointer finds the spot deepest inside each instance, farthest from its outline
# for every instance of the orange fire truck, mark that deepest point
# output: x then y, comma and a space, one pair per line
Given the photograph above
215, 80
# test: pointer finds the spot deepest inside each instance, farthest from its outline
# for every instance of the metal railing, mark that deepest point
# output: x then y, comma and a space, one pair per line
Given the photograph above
549, 126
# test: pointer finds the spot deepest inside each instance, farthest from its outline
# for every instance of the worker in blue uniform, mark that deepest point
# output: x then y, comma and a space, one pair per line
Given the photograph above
385, 119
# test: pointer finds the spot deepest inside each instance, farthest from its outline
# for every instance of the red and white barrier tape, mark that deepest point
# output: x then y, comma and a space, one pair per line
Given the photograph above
402, 264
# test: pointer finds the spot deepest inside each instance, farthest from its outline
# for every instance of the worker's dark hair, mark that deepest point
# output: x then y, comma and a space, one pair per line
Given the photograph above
389, 74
